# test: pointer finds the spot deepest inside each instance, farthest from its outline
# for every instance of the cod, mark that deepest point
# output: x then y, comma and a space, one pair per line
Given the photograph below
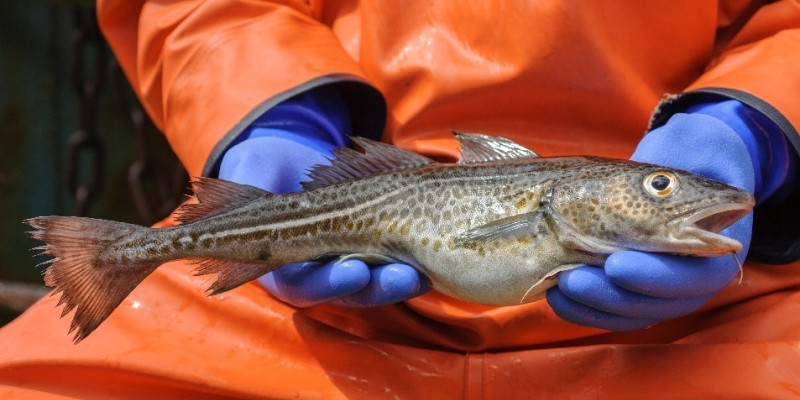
494, 228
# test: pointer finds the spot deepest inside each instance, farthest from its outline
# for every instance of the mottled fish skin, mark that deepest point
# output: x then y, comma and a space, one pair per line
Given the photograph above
494, 229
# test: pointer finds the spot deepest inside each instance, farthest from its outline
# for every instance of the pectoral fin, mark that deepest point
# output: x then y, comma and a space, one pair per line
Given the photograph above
516, 225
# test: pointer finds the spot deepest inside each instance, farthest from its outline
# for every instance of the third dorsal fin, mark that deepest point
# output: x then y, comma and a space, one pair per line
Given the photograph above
349, 164
477, 148
214, 196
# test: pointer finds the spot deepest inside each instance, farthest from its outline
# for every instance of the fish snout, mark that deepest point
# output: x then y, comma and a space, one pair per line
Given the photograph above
697, 232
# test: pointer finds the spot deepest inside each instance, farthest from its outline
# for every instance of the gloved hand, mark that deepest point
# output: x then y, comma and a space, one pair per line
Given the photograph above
275, 155
725, 141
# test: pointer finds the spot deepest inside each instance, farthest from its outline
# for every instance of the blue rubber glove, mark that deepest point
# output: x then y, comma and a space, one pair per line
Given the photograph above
725, 141
275, 154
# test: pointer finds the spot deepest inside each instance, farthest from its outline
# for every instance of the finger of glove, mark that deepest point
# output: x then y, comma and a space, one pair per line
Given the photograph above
310, 283
388, 284
575, 312
700, 144
674, 276
275, 164
670, 276
591, 287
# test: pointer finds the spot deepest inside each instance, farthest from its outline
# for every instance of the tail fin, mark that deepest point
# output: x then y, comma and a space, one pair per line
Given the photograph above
91, 287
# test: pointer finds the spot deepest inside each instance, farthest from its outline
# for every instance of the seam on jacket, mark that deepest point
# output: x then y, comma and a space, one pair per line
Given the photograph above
474, 380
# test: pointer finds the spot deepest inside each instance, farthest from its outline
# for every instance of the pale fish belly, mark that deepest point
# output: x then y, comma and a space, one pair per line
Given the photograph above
421, 226
505, 271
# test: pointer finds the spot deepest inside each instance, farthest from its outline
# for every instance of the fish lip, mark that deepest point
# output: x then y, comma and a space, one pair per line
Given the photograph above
699, 229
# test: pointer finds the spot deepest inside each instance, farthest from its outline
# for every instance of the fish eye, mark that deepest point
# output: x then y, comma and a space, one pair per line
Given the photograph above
661, 183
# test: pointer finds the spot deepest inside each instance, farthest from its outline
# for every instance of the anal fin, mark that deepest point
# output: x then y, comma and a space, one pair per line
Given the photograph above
231, 273
369, 258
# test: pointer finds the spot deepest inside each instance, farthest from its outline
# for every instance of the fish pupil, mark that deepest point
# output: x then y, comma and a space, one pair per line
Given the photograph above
660, 182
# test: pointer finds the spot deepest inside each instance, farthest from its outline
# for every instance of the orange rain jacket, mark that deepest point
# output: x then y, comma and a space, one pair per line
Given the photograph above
562, 77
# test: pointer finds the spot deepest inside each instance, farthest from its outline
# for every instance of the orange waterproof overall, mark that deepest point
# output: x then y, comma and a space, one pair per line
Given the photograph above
559, 76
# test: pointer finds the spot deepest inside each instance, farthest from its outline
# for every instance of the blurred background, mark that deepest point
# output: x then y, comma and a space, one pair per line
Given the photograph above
73, 138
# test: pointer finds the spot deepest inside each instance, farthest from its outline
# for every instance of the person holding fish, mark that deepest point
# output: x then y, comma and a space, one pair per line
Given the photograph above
261, 93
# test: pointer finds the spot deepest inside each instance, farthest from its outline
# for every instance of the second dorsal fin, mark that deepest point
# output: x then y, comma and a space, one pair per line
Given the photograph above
349, 164
476, 148
214, 196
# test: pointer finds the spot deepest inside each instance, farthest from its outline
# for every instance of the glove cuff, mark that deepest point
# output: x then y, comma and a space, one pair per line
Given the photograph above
319, 115
773, 161
346, 103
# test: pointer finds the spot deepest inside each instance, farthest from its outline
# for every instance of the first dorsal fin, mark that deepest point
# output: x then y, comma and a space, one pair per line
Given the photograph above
216, 195
349, 164
477, 148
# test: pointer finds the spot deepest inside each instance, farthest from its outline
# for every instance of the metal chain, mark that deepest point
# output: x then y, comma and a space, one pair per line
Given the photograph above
86, 157
156, 183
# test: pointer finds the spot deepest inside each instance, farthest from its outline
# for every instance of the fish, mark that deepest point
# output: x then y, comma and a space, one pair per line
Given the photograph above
494, 228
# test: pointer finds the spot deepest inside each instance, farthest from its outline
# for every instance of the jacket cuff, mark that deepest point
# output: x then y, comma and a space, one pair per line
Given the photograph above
366, 105
677, 103
776, 226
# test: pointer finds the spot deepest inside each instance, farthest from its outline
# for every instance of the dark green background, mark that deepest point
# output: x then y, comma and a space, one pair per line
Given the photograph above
38, 113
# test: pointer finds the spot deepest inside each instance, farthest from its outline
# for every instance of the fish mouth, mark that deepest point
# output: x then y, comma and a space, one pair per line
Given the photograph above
698, 231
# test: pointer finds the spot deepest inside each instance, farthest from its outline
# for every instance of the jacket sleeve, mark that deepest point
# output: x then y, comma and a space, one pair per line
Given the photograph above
757, 62
205, 69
